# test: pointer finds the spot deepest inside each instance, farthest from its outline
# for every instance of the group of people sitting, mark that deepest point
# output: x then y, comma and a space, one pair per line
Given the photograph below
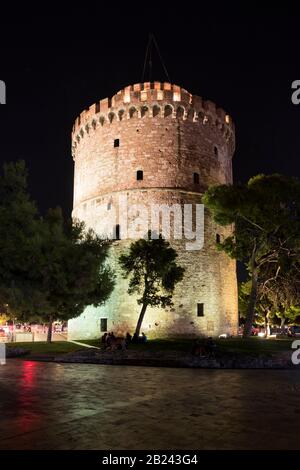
112, 342
135, 338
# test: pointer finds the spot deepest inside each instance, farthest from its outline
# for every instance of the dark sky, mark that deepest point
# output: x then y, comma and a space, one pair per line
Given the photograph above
54, 66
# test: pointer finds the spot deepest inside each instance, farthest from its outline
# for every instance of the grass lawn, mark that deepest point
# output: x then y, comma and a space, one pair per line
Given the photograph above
253, 346
42, 347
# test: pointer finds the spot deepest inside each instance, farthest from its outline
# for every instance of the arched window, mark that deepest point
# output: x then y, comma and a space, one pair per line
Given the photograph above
190, 114
111, 117
97, 107
196, 178
139, 175
180, 112
144, 111
168, 110
216, 151
132, 112
200, 117
218, 238
156, 110
121, 114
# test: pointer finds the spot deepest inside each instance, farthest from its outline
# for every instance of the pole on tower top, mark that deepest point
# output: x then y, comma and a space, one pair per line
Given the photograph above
148, 58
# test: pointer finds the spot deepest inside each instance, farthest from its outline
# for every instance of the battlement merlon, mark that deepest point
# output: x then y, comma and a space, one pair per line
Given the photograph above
142, 94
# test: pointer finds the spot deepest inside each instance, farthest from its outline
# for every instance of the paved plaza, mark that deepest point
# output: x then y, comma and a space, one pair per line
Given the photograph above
82, 406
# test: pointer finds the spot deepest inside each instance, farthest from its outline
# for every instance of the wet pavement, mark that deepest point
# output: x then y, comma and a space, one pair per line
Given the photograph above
83, 406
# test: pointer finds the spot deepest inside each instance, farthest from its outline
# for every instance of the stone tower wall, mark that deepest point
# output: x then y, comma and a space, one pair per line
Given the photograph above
169, 135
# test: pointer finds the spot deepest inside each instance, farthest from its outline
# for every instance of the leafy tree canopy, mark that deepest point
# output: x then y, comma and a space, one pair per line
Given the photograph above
266, 217
49, 268
153, 273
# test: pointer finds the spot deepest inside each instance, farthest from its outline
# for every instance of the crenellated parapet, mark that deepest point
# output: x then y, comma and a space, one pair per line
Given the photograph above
153, 100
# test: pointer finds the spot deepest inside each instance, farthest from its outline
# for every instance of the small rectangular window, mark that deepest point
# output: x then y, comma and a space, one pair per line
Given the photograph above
109, 206
218, 238
139, 175
200, 310
97, 108
117, 143
196, 178
103, 325
117, 232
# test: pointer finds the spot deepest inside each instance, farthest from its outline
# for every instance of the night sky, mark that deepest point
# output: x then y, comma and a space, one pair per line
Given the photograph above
55, 66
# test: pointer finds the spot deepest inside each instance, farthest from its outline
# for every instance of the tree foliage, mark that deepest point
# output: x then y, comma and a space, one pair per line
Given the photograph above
266, 217
153, 273
266, 310
49, 268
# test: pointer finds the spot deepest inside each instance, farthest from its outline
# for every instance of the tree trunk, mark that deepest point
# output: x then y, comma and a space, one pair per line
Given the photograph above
267, 325
282, 324
140, 320
49, 334
251, 305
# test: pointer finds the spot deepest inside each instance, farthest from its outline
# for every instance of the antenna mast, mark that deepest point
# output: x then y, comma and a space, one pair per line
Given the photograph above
148, 58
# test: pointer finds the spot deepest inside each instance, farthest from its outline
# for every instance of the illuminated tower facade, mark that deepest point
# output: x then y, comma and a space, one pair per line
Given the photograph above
156, 144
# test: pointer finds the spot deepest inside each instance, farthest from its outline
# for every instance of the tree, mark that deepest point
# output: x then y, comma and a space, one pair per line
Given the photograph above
19, 236
266, 217
151, 266
264, 309
71, 272
49, 269
277, 293
280, 283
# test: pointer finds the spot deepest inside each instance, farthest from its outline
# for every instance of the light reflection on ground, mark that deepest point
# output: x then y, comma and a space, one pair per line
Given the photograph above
81, 406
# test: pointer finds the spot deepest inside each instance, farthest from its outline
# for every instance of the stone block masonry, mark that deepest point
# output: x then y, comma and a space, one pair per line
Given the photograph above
155, 143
